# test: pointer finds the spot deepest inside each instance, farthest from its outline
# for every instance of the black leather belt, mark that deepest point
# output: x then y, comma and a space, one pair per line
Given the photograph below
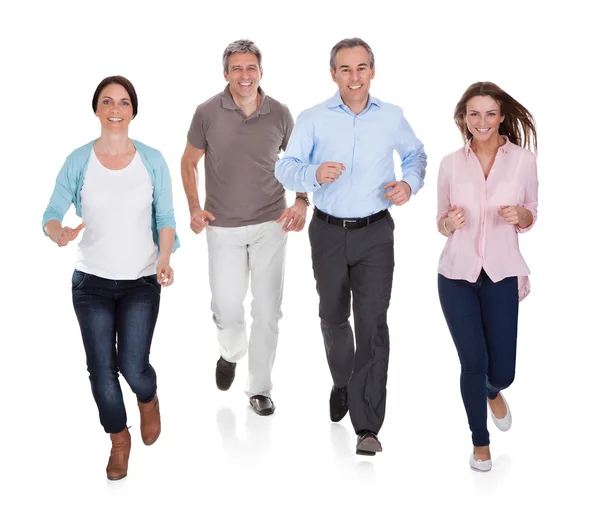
351, 223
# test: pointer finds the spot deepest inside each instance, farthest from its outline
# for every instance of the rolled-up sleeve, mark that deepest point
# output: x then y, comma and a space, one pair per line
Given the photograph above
163, 200
530, 200
62, 197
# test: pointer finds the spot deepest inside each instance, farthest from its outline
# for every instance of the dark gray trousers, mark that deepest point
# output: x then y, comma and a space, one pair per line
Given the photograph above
357, 263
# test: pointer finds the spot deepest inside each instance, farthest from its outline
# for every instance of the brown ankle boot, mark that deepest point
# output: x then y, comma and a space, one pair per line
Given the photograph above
150, 420
119, 455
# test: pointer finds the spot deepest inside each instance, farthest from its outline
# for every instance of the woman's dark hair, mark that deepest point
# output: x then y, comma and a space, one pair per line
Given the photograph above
518, 124
125, 83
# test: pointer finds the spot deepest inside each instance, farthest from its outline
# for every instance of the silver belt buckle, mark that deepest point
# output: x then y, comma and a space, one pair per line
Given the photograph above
347, 221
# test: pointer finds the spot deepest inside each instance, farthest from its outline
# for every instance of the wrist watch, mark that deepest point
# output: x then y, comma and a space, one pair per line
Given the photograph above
304, 198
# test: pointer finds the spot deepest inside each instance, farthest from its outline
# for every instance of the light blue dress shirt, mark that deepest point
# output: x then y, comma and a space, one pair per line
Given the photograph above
364, 143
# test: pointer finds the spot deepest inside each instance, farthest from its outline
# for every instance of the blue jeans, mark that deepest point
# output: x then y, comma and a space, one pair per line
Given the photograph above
482, 318
107, 309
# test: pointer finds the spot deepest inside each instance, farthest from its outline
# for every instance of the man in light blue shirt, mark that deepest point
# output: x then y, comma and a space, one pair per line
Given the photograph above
342, 151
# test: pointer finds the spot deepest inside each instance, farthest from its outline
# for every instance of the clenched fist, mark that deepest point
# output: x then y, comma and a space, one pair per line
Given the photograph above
512, 214
399, 193
457, 218
164, 272
199, 219
328, 172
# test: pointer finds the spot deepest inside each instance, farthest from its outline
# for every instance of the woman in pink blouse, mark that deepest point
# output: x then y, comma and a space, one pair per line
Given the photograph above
487, 194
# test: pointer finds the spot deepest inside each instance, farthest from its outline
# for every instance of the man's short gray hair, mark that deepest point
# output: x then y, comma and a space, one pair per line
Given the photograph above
351, 43
241, 46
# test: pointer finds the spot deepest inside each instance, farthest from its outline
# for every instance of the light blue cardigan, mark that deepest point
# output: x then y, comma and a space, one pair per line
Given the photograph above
70, 181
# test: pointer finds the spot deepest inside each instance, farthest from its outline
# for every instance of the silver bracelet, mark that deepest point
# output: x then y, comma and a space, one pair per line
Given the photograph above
445, 228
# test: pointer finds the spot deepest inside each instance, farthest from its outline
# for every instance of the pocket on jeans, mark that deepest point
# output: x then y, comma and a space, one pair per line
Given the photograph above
152, 281
77, 279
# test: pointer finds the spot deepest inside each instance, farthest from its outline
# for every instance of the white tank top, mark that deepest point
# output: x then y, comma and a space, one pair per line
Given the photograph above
116, 206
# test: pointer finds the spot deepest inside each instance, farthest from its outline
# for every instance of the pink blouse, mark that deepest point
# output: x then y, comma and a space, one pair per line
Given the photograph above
487, 241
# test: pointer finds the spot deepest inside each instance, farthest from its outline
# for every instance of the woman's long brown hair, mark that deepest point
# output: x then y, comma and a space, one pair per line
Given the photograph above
518, 124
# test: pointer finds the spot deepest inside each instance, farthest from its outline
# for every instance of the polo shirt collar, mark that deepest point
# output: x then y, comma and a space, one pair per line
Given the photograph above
228, 103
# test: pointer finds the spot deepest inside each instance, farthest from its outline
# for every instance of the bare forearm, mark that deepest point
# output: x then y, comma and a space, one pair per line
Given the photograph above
166, 239
190, 186
53, 229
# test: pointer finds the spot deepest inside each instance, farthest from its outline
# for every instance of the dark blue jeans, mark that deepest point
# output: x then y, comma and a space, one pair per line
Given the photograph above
107, 309
482, 318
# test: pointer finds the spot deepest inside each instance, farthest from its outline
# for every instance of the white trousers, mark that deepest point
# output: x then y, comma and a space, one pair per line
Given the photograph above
236, 255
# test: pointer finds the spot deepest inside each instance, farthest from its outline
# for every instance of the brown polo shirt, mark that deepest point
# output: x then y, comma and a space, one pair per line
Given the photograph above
240, 156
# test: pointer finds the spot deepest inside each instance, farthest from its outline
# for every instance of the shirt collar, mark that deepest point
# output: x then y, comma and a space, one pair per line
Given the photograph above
228, 103
503, 149
336, 101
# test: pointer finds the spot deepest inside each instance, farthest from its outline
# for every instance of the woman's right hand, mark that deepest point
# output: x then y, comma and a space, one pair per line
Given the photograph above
456, 217
65, 235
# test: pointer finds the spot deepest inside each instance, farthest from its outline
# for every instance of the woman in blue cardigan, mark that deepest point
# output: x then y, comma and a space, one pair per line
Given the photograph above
122, 191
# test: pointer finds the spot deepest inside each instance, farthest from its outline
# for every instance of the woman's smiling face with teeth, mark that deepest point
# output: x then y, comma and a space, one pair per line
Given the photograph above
114, 108
483, 117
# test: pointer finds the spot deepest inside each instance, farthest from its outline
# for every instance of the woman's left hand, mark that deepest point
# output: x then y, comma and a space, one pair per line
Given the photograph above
164, 272
512, 214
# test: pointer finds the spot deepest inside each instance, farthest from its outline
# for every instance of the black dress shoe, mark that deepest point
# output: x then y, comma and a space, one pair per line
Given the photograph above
367, 444
338, 403
225, 374
262, 405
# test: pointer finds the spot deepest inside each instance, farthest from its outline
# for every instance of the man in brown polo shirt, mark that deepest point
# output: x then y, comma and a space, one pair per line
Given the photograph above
242, 131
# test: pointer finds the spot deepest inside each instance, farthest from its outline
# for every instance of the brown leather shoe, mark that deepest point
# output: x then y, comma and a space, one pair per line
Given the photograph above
150, 420
262, 405
367, 443
119, 455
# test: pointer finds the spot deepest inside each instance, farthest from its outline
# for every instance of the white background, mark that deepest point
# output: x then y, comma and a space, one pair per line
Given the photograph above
213, 449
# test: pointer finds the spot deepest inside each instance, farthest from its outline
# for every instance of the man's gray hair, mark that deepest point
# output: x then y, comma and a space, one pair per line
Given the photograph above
351, 43
241, 46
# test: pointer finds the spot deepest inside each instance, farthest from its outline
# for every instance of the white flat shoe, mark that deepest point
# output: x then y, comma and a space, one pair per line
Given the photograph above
505, 423
479, 465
